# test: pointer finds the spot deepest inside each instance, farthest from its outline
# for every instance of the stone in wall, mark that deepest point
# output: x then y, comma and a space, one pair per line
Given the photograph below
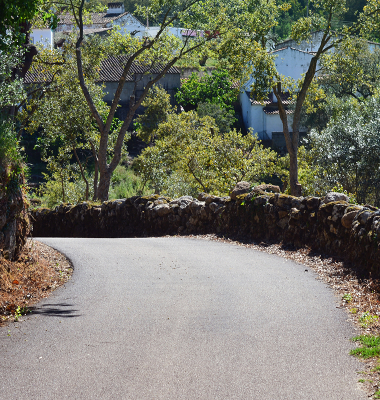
330, 225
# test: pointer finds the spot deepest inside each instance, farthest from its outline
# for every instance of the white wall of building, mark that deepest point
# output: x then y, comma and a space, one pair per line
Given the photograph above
43, 36
129, 24
262, 124
311, 44
291, 62
274, 124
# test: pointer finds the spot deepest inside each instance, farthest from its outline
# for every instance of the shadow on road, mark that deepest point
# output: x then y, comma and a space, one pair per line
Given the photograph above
56, 310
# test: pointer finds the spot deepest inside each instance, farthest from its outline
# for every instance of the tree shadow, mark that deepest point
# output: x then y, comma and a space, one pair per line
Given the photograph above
55, 310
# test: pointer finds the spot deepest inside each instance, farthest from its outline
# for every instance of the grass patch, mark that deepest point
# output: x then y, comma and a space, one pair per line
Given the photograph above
370, 346
367, 319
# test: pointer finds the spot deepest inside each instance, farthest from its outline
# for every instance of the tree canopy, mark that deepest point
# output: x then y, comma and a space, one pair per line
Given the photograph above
348, 150
191, 155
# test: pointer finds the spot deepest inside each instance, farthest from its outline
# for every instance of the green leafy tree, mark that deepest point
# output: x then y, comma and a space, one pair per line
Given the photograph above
191, 155
348, 150
214, 89
15, 24
325, 13
224, 118
68, 133
226, 22
351, 70
157, 109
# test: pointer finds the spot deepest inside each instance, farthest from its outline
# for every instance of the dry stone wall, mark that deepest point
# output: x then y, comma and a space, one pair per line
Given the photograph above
329, 224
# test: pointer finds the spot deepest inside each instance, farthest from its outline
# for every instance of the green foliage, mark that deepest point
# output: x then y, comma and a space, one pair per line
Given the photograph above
348, 150
157, 109
63, 121
191, 155
63, 185
14, 14
125, 183
224, 118
347, 297
9, 148
12, 90
370, 346
215, 89
367, 319
351, 70
20, 311
310, 175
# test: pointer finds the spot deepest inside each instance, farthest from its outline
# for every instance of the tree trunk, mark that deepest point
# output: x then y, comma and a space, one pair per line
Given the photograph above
104, 185
291, 145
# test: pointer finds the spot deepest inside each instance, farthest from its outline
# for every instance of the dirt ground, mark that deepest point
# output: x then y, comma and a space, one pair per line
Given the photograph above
37, 272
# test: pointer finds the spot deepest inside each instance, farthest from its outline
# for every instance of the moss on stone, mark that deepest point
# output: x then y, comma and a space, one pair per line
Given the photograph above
333, 203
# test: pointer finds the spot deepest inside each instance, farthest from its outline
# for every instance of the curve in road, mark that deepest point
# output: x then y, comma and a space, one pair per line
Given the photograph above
177, 318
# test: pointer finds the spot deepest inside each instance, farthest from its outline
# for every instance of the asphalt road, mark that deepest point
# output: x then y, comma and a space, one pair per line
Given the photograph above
176, 318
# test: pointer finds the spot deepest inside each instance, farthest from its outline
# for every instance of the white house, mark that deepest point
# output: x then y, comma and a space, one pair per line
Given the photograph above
292, 60
114, 16
264, 118
43, 36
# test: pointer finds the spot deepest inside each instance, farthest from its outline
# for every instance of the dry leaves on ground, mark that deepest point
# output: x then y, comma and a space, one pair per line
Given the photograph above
37, 272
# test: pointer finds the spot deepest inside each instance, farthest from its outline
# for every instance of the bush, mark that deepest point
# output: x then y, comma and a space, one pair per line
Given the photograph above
125, 183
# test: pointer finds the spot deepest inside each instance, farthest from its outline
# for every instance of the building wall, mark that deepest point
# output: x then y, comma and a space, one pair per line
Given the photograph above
262, 124
169, 82
129, 24
292, 63
43, 36
306, 45
274, 124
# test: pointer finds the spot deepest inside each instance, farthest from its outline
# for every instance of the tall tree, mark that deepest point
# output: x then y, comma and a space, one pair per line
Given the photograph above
215, 18
326, 12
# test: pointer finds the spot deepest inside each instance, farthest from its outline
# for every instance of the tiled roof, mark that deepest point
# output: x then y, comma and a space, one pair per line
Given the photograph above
90, 31
273, 111
275, 51
96, 30
292, 48
110, 71
285, 97
37, 74
96, 18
